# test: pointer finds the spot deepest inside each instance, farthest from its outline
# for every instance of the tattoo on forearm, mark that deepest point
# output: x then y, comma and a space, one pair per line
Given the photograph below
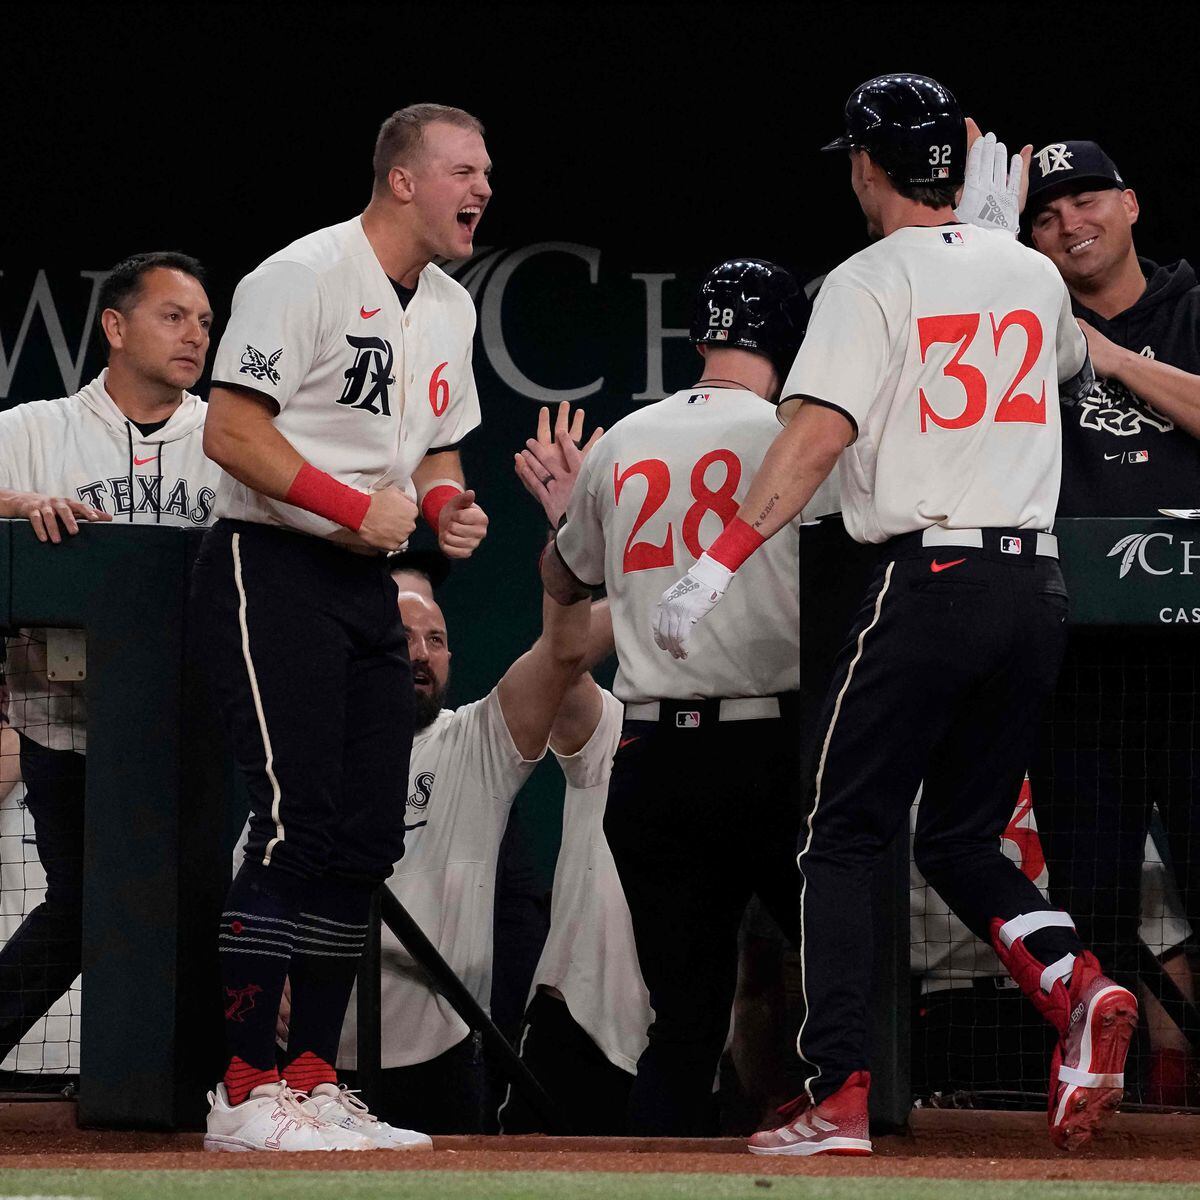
766, 512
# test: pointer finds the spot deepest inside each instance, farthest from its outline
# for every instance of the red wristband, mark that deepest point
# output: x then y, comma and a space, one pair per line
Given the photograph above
317, 492
736, 543
435, 500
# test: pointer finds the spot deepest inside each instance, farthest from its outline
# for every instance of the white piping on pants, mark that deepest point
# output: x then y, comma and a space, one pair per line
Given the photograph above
837, 708
258, 708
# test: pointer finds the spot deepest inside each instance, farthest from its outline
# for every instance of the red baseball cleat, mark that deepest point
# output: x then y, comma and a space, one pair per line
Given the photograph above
838, 1125
1087, 1072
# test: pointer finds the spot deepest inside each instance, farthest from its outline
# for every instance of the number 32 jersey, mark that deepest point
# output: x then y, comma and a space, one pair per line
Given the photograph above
944, 346
653, 494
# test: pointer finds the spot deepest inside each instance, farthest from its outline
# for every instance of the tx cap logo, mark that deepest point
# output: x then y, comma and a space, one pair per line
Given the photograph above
1054, 158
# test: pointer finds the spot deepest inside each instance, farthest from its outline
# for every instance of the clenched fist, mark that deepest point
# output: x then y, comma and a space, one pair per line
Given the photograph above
390, 520
462, 525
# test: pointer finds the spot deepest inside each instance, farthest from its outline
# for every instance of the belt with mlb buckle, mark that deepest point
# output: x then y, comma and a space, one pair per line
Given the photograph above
691, 714
1016, 542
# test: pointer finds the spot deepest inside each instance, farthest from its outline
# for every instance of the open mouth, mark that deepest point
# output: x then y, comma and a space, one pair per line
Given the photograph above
468, 217
1080, 246
422, 679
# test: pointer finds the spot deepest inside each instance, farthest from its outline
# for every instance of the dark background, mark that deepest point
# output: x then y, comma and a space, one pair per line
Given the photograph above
665, 137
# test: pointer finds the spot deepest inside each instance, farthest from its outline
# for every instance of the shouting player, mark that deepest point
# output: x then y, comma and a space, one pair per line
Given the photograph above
932, 369
656, 490
343, 381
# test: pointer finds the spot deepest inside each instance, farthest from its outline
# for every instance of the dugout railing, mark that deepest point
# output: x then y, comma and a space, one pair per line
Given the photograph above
158, 785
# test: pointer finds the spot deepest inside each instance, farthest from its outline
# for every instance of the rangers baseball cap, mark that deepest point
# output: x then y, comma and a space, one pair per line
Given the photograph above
1067, 167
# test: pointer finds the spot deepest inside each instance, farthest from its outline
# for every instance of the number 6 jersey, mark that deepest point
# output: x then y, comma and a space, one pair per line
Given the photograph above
652, 495
944, 346
364, 386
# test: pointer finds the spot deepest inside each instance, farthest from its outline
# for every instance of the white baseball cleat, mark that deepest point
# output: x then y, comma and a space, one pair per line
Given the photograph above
273, 1118
341, 1107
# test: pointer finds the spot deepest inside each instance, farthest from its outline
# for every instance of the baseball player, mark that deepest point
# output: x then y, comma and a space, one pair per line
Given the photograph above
467, 766
342, 384
588, 1011
126, 447
932, 369
658, 488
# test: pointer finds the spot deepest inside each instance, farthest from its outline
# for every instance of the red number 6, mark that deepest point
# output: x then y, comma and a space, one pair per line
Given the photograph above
439, 391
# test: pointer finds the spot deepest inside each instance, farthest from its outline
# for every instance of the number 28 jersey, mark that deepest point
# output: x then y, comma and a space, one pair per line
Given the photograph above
653, 494
944, 346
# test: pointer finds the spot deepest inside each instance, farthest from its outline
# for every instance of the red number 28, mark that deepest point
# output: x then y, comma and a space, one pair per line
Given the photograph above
646, 555
959, 329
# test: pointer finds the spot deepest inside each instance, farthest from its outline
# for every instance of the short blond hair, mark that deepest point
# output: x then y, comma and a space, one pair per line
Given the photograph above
401, 135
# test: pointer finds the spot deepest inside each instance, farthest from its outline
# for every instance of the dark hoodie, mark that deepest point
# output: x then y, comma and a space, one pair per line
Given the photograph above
1120, 457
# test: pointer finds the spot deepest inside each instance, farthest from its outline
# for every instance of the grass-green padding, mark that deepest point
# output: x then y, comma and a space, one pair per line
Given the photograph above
542, 1185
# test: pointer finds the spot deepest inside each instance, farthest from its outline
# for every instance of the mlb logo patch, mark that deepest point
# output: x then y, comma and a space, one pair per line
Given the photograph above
941, 172
698, 398
1010, 545
1139, 456
687, 720
953, 237
719, 335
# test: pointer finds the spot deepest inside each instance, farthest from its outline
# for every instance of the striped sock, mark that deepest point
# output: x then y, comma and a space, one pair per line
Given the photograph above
307, 1071
258, 934
241, 1079
331, 931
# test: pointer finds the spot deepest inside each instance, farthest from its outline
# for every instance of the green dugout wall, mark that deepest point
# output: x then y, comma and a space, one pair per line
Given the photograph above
158, 787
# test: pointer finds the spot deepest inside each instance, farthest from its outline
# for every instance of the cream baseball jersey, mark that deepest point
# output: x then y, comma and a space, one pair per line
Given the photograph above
82, 447
944, 346
590, 955
652, 495
364, 386
463, 776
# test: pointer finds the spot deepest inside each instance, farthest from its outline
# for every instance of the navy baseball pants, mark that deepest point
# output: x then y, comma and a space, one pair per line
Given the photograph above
308, 661
942, 681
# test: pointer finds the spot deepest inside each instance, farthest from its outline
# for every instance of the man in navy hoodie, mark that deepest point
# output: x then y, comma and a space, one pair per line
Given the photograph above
1125, 718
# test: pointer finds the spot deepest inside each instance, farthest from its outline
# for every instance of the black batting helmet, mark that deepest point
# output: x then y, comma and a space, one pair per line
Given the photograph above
753, 305
910, 125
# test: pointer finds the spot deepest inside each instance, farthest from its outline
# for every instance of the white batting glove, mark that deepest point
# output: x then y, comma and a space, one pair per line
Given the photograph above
684, 603
991, 196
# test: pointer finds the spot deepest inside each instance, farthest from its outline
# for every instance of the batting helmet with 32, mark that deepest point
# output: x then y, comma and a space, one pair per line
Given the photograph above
910, 125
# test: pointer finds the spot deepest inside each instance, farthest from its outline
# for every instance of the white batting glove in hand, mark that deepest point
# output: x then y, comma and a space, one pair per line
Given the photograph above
686, 602
991, 196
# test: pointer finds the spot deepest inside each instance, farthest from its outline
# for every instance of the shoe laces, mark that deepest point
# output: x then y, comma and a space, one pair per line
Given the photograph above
292, 1103
349, 1099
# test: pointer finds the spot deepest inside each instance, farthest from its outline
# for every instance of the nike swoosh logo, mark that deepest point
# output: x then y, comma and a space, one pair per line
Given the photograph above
936, 566
141, 462
1110, 457
416, 825
366, 316
625, 742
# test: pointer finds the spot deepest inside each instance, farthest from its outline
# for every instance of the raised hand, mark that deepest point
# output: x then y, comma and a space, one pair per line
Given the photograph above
462, 525
549, 466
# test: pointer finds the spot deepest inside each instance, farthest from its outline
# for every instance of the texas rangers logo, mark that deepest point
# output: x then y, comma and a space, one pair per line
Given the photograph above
1054, 158
258, 366
419, 798
368, 380
241, 1001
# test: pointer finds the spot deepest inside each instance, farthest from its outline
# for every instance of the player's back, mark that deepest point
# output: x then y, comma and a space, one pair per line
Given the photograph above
961, 337
660, 486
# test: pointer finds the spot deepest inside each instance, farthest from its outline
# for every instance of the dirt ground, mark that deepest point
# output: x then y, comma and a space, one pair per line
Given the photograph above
967, 1145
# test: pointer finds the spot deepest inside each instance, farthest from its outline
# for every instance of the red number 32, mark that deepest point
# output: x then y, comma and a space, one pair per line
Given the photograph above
646, 555
960, 329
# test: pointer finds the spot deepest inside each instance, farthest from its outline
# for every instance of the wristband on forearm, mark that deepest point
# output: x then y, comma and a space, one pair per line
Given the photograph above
316, 492
435, 498
735, 544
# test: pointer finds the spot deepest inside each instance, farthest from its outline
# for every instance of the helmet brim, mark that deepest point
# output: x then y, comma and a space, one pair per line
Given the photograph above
845, 142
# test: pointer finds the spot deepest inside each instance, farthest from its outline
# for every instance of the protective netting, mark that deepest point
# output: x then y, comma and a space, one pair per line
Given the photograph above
41, 832
1108, 825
